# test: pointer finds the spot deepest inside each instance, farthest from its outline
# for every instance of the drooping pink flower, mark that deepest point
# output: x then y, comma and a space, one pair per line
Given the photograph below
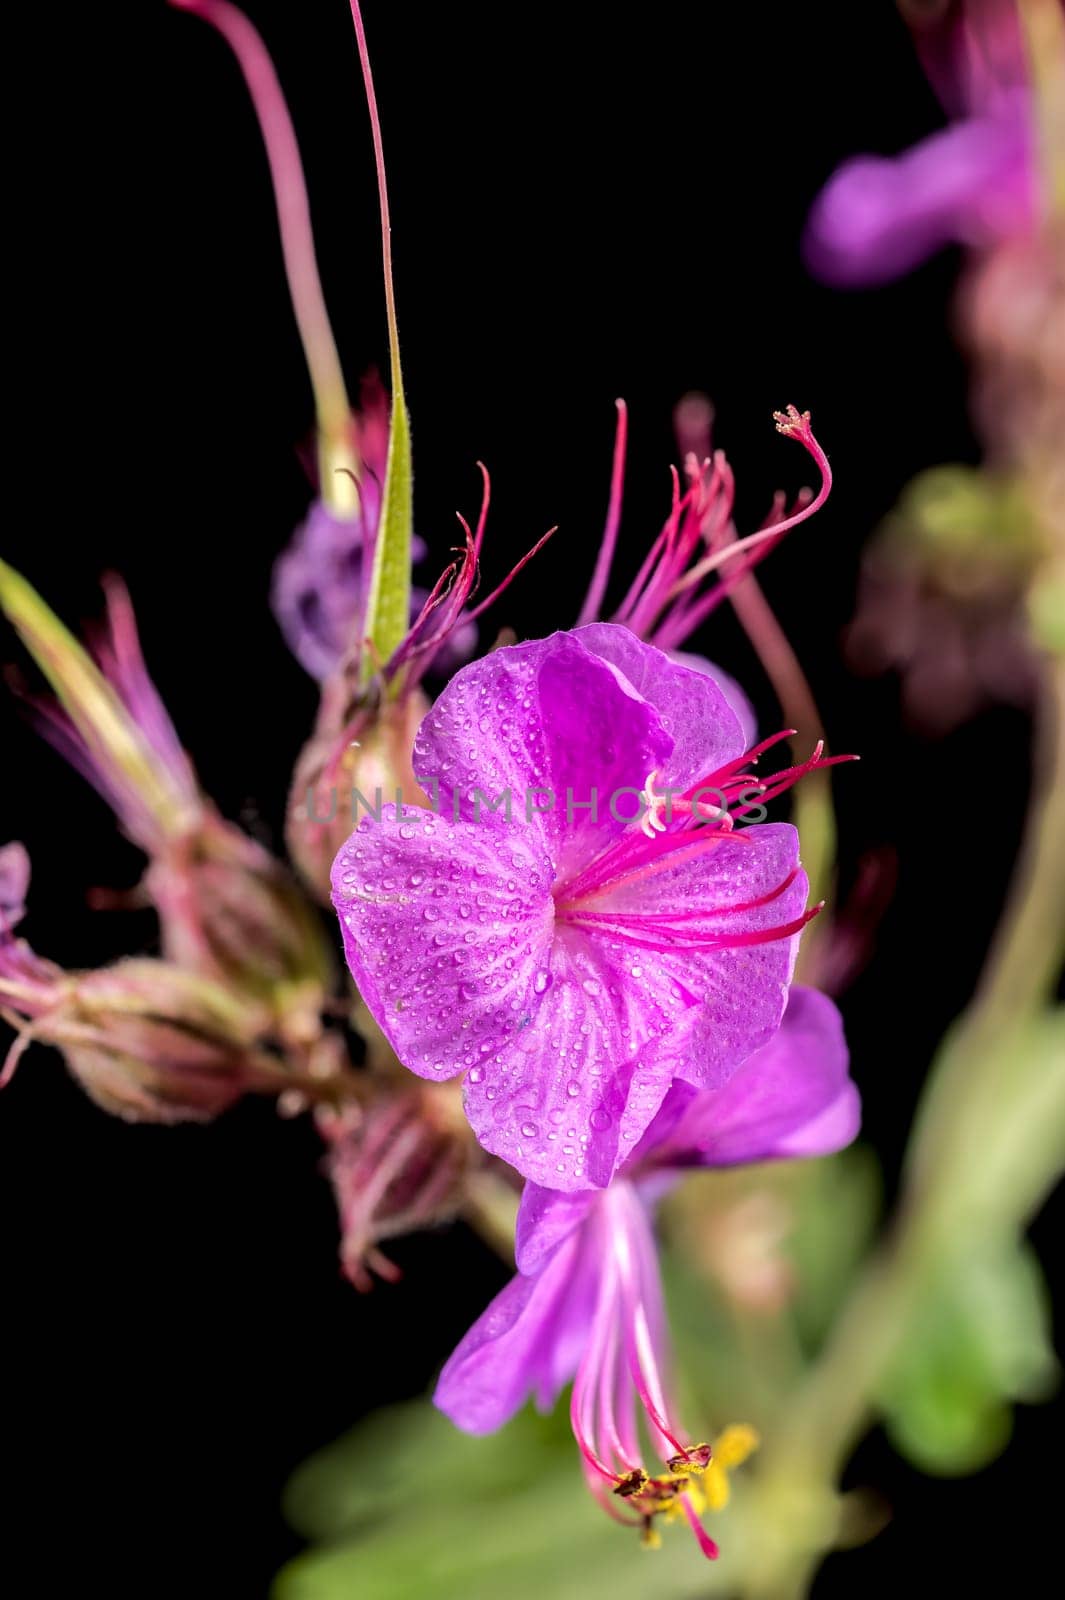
973, 183
587, 1303
560, 930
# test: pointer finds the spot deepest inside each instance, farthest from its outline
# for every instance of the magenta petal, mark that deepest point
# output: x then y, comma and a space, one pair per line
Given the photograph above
445, 934
834, 1129
730, 687
793, 1097
877, 218
511, 1351
542, 722
693, 706
546, 1218
320, 580
741, 991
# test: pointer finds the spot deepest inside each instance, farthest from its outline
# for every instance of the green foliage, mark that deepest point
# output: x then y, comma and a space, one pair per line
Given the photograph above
407, 1505
838, 1202
388, 610
978, 1341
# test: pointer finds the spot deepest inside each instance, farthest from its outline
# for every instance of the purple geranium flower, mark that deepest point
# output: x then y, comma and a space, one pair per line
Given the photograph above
560, 930
972, 183
587, 1300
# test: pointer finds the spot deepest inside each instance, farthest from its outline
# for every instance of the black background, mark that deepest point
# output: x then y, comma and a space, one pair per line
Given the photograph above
587, 202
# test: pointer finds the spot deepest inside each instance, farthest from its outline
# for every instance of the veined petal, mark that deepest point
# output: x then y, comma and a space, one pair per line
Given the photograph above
546, 1218
552, 717
739, 888
510, 1352
693, 706
730, 687
445, 934
793, 1097
588, 1069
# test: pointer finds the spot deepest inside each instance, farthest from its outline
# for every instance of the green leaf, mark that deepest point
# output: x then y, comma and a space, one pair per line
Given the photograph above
414, 1451
837, 1201
980, 1340
388, 607
408, 1506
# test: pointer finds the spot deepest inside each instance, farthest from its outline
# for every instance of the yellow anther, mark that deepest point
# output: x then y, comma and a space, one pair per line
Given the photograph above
634, 1482
731, 1449
650, 1538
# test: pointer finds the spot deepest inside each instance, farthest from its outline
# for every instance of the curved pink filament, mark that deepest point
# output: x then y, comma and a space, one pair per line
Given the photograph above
706, 1544
719, 558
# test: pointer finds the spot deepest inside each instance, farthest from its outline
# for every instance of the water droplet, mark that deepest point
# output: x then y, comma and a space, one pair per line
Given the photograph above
542, 981
573, 1090
600, 1119
529, 1130
415, 879
475, 1074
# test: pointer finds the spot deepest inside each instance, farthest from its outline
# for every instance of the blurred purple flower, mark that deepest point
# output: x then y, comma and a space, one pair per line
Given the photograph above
973, 183
321, 580
587, 1300
14, 882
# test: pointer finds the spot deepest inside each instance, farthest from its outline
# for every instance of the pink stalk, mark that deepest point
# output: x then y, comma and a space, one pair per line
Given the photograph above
382, 192
600, 577
293, 210
794, 426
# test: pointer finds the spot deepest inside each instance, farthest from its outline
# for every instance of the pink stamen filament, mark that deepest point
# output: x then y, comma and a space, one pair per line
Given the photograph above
601, 575
734, 941
628, 1233
627, 863
706, 1544
765, 536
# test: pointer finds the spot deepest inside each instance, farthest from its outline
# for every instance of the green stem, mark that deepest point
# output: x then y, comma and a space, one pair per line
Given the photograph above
833, 1407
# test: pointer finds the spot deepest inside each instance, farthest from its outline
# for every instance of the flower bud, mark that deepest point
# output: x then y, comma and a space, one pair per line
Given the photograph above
339, 782
146, 1041
229, 910
397, 1164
